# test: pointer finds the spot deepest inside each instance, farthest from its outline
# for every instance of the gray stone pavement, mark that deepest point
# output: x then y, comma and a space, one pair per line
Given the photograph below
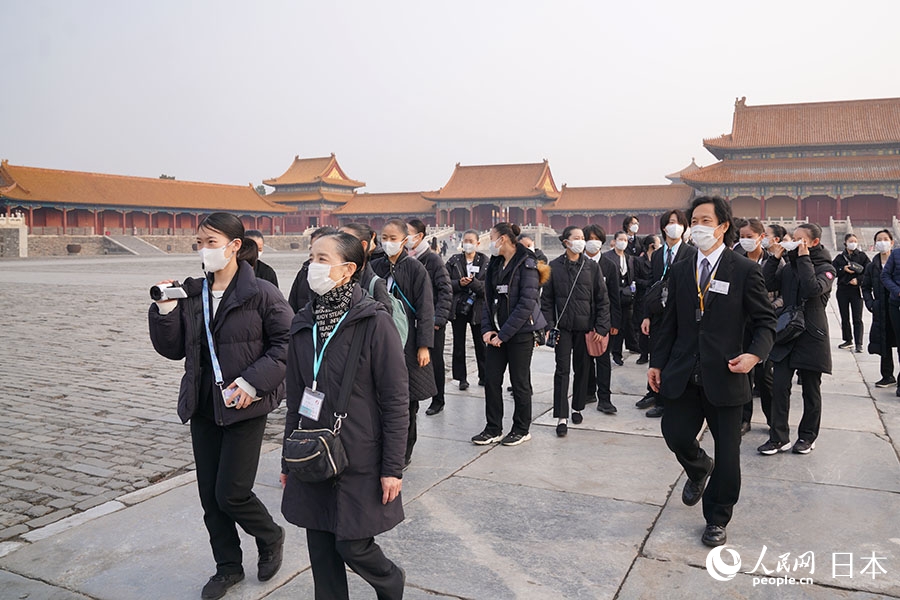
97, 495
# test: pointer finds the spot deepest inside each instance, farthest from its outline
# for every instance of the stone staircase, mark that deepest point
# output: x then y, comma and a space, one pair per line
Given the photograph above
130, 244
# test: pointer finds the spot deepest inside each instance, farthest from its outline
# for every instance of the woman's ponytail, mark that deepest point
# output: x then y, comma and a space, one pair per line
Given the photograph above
249, 251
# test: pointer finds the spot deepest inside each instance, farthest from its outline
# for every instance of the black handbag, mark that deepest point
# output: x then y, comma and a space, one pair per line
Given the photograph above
791, 323
655, 297
317, 455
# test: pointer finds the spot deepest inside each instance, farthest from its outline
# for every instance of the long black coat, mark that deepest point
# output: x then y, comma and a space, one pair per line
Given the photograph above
378, 290
412, 281
250, 330
373, 434
881, 334
264, 271
611, 277
678, 341
807, 278
588, 306
457, 268
441, 290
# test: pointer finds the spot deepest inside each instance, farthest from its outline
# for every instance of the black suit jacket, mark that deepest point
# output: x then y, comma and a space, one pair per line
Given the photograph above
679, 342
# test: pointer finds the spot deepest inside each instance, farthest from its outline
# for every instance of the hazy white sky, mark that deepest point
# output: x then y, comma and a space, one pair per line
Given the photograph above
612, 93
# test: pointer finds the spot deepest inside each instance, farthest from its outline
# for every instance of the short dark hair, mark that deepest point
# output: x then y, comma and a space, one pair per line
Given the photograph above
566, 233
627, 222
524, 235
755, 226
679, 216
399, 224
723, 215
648, 241
473, 232
254, 233
620, 232
320, 232
595, 231
350, 250
815, 232
848, 236
740, 223
778, 230
887, 231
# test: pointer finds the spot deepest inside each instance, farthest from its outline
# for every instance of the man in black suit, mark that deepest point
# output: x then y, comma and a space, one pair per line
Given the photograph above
698, 360
262, 270
631, 226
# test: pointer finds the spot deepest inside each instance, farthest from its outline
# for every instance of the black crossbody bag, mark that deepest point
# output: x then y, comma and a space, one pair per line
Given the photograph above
317, 455
791, 322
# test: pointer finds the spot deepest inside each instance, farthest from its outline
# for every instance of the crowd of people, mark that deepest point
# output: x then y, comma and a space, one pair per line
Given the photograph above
720, 309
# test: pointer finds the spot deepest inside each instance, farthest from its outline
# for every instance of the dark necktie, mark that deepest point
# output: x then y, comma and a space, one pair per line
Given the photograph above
669, 253
704, 274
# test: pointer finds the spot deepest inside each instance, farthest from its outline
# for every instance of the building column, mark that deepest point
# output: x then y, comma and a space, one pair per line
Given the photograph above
96, 221
65, 220
838, 213
31, 218
123, 222
762, 208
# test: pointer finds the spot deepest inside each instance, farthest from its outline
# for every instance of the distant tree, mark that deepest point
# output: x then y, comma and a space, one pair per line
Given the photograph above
261, 190
164, 176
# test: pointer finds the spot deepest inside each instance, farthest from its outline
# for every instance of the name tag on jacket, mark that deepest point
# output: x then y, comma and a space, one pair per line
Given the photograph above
719, 287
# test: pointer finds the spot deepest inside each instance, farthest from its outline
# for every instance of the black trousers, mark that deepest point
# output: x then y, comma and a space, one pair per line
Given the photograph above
516, 353
627, 335
811, 383
437, 360
850, 305
412, 432
761, 377
571, 351
327, 557
641, 341
894, 317
600, 376
887, 362
681, 423
458, 367
227, 459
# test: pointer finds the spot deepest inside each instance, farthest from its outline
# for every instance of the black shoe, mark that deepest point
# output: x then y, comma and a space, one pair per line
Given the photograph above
745, 427
514, 439
655, 412
772, 447
406, 463
898, 391
218, 584
647, 401
270, 560
562, 429
481, 382
605, 406
463, 385
803, 447
577, 417
885, 382
859, 348
693, 490
618, 360
642, 360
434, 409
714, 535
846, 345
484, 438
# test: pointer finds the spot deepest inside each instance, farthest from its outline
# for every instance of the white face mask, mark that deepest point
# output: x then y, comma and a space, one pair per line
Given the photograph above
259, 255
576, 246
468, 248
789, 245
748, 244
392, 248
494, 247
704, 236
884, 245
593, 246
319, 278
411, 242
213, 260
852, 246
634, 228
621, 244
765, 243
674, 230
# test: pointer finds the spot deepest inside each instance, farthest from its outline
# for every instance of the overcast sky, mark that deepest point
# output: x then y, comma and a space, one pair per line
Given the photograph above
612, 93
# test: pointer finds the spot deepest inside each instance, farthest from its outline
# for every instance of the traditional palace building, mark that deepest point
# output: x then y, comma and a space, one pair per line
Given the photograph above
808, 161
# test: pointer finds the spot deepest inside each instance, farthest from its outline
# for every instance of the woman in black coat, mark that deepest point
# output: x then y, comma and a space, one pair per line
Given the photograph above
511, 323
574, 304
850, 265
249, 323
342, 516
881, 336
408, 281
467, 272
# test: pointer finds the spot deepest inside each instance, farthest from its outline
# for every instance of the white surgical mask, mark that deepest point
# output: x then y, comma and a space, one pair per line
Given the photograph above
634, 228
392, 248
765, 243
674, 230
593, 246
621, 244
789, 245
259, 255
748, 244
468, 248
214, 259
884, 245
704, 236
852, 246
411, 243
576, 246
319, 278
494, 248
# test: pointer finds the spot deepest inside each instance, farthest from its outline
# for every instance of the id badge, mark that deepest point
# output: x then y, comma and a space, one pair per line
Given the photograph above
473, 270
502, 289
311, 404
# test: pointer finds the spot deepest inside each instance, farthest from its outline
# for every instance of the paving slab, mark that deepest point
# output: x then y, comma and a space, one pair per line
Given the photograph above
16, 586
584, 462
793, 517
628, 419
653, 579
302, 586
839, 411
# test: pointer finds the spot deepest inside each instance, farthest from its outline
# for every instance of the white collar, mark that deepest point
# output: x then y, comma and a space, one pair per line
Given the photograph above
712, 258
673, 249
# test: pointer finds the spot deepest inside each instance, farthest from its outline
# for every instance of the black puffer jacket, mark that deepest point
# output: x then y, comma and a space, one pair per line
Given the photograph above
441, 290
843, 277
300, 293
588, 308
250, 330
373, 434
523, 284
458, 268
808, 278
412, 282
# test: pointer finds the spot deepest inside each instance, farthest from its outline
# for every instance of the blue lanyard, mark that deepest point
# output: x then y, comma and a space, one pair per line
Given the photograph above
209, 338
318, 356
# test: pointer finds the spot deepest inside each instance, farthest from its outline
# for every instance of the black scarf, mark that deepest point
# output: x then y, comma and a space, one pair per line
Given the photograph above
330, 307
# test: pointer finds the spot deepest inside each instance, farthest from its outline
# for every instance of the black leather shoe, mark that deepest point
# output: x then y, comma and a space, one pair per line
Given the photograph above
647, 401
434, 409
217, 585
745, 427
898, 391
562, 429
270, 560
463, 385
693, 490
642, 360
655, 412
714, 535
577, 417
481, 382
618, 360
